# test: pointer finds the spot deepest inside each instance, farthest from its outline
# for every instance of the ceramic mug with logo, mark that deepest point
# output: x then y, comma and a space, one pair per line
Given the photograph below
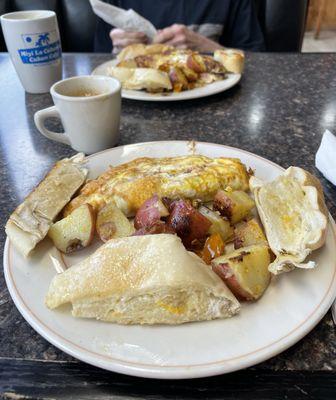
33, 42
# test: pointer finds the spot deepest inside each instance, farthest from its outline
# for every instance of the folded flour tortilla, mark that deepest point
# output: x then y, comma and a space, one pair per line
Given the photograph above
32, 219
143, 280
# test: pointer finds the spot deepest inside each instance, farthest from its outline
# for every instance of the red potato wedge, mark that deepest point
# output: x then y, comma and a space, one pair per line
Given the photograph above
178, 79
75, 231
187, 222
150, 212
245, 271
196, 63
112, 223
234, 205
225, 272
156, 228
191, 75
247, 233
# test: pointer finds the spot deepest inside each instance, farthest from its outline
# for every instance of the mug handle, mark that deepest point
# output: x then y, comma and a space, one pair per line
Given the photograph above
41, 116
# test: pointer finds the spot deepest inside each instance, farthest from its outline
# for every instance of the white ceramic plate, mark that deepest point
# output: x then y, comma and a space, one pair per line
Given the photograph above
212, 88
293, 304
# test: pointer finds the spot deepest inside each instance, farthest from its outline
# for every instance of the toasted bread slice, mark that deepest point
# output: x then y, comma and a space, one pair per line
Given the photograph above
32, 219
233, 60
294, 215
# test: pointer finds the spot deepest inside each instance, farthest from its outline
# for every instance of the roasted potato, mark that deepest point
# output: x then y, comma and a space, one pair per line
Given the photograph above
150, 212
156, 228
196, 63
191, 75
112, 223
219, 225
75, 231
245, 271
247, 233
189, 224
178, 79
234, 205
229, 247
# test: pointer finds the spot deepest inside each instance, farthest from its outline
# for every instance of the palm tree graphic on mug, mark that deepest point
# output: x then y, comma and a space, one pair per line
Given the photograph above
43, 40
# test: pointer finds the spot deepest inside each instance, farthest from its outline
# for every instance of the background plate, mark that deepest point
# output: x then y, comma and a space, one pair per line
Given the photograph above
293, 304
208, 90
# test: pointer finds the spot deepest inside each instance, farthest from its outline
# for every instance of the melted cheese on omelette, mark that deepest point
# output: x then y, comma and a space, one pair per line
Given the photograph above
192, 177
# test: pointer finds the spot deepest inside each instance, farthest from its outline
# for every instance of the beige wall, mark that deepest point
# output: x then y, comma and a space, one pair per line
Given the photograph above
329, 14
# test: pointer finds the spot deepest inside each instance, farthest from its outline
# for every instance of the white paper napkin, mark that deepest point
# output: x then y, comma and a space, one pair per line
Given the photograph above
127, 20
325, 159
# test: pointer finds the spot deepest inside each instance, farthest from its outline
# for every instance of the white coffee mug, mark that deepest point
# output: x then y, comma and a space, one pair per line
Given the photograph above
89, 108
33, 42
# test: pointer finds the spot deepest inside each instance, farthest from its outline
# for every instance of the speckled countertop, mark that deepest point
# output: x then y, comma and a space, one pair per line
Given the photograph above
279, 111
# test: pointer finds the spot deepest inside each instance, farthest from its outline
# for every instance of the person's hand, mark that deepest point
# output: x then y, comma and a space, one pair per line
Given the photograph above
183, 38
121, 38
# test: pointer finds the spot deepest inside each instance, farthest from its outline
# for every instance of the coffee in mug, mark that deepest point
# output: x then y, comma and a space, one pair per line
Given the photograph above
89, 108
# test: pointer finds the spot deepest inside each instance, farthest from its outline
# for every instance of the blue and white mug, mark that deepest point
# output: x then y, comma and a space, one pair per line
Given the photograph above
33, 42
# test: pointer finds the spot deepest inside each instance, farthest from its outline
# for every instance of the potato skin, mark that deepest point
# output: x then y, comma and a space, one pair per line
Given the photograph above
223, 204
225, 272
195, 62
187, 222
156, 228
178, 79
247, 233
234, 205
245, 271
150, 212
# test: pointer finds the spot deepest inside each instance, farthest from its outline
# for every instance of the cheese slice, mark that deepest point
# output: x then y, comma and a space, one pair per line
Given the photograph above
143, 280
294, 215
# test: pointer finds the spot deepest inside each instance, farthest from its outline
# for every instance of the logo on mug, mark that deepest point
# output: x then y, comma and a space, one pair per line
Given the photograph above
40, 48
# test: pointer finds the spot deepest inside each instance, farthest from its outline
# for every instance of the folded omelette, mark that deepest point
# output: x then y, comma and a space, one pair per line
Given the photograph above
129, 185
143, 280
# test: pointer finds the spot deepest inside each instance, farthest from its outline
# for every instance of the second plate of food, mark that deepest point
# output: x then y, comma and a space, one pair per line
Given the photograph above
291, 306
204, 91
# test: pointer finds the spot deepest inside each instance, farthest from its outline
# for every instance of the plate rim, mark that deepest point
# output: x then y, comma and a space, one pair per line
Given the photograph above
173, 371
188, 94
